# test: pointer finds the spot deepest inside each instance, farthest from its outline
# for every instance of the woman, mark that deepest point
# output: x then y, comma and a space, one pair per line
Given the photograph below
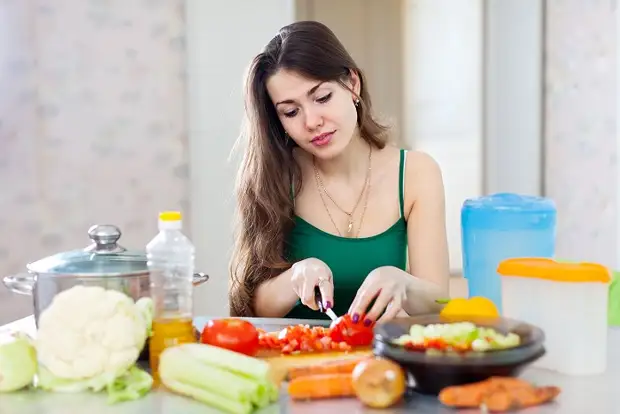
323, 201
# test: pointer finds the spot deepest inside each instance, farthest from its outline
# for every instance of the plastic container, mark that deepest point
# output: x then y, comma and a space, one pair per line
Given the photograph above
568, 301
170, 260
499, 227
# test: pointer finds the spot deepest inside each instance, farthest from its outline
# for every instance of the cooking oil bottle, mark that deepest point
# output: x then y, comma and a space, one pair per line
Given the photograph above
170, 257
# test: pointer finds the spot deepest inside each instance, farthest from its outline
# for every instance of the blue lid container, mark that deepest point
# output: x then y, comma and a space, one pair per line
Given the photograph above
502, 226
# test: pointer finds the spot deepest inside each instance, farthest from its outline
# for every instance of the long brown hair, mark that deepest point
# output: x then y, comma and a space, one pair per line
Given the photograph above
268, 170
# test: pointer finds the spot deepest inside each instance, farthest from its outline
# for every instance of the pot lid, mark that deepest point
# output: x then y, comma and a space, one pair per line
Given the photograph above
103, 257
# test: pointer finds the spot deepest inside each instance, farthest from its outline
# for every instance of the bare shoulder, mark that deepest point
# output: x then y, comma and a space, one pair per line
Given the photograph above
421, 163
423, 178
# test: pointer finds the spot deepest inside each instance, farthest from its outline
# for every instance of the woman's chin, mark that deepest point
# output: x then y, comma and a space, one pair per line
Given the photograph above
328, 152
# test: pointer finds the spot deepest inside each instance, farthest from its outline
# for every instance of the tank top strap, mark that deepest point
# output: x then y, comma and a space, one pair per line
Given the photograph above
401, 182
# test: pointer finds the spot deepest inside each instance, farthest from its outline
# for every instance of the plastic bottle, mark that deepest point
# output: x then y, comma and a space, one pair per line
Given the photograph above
170, 257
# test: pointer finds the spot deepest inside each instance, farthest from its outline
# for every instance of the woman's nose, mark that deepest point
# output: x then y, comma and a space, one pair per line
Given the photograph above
313, 120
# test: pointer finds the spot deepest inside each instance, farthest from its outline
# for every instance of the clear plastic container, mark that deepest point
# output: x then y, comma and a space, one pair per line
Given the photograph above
499, 227
170, 260
568, 301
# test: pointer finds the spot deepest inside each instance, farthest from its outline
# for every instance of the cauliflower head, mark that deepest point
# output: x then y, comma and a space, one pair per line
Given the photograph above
89, 331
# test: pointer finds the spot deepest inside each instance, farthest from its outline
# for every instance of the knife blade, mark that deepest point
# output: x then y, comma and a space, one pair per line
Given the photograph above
319, 301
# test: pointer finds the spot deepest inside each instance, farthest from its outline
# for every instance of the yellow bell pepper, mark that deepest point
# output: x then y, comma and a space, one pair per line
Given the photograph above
476, 306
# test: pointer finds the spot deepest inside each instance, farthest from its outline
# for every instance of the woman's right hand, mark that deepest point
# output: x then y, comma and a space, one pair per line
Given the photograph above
309, 273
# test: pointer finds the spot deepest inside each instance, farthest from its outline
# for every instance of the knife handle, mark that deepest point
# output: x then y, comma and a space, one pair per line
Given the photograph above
318, 298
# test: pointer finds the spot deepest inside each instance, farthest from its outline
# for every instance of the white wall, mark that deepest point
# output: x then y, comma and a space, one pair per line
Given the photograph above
513, 96
617, 262
581, 133
219, 50
444, 97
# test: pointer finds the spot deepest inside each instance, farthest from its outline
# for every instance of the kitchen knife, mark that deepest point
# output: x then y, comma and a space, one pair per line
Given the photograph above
319, 302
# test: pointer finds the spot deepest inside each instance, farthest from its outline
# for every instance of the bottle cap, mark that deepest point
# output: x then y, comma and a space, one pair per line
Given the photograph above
170, 220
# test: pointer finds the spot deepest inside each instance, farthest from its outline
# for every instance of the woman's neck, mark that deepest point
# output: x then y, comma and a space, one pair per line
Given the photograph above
350, 164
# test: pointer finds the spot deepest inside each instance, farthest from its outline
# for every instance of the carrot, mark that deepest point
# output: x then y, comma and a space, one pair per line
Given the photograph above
471, 395
333, 367
321, 386
497, 394
518, 398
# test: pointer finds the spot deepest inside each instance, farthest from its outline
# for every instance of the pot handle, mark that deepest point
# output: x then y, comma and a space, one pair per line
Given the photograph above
200, 278
21, 284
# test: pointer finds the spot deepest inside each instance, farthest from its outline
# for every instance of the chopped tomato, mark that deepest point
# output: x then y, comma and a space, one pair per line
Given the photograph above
301, 338
414, 347
435, 343
355, 334
234, 334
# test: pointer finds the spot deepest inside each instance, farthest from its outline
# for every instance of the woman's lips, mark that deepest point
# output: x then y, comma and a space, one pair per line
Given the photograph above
322, 139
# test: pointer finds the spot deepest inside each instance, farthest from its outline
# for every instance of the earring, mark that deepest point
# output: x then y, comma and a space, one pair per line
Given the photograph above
357, 102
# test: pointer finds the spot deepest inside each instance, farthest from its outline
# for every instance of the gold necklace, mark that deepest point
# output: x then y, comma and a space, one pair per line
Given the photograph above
322, 189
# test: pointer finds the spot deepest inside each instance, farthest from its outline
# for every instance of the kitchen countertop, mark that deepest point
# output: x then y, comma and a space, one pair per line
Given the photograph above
598, 394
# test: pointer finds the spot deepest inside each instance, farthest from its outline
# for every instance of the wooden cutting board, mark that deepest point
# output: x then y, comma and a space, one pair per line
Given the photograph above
280, 364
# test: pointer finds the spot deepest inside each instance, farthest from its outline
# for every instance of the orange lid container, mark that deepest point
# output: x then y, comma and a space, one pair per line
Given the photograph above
549, 269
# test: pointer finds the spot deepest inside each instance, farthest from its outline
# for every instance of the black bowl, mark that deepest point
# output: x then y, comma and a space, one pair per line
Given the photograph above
433, 372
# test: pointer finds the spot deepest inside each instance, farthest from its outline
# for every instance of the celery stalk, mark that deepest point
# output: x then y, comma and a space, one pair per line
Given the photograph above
262, 399
272, 390
177, 364
228, 360
208, 397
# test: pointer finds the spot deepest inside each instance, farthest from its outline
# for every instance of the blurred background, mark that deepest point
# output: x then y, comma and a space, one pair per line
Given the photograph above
112, 110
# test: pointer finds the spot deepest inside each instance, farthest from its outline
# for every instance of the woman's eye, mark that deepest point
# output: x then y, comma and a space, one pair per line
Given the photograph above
290, 114
324, 98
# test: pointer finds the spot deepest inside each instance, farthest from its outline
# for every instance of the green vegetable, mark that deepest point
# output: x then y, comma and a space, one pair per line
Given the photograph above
229, 360
613, 309
147, 308
209, 398
132, 385
460, 334
224, 379
18, 362
49, 382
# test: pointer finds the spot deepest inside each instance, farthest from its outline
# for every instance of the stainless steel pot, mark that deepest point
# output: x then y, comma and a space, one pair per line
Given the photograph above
103, 263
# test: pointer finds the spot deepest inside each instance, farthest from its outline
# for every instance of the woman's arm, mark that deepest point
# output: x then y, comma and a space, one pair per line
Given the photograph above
427, 235
275, 297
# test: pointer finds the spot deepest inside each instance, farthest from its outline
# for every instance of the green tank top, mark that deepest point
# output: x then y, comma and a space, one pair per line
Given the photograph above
350, 260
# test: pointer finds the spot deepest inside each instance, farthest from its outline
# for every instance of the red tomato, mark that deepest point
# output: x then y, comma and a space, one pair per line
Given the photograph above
233, 334
355, 334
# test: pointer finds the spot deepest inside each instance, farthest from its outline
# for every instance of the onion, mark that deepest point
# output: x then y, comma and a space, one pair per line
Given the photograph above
379, 383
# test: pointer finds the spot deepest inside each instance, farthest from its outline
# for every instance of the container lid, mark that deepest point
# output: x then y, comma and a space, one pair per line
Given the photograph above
511, 202
103, 257
170, 220
509, 211
549, 269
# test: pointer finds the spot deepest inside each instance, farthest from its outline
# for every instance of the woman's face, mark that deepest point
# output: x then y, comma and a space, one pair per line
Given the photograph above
319, 116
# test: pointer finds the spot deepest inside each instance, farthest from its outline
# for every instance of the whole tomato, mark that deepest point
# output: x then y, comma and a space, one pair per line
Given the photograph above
355, 334
233, 334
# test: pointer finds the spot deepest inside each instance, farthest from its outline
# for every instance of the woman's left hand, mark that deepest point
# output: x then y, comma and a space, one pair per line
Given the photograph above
389, 286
